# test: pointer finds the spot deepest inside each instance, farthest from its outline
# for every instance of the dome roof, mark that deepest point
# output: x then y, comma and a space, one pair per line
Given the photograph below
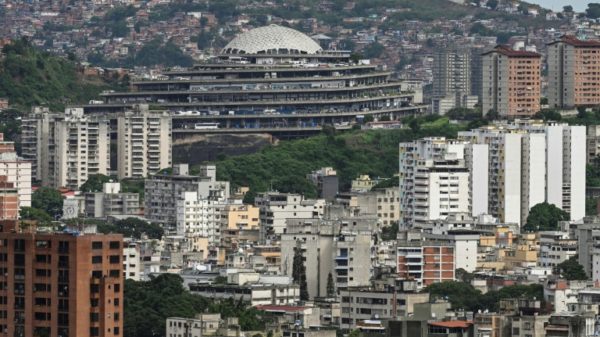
272, 39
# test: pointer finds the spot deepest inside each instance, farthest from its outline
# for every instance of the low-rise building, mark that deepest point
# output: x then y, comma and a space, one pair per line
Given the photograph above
111, 202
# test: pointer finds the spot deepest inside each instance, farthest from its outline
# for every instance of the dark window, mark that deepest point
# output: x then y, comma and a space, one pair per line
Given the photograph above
94, 288
63, 261
115, 245
20, 260
94, 331
116, 301
63, 247
117, 288
94, 316
97, 274
19, 245
97, 259
63, 319
117, 331
115, 259
94, 302
97, 245
114, 273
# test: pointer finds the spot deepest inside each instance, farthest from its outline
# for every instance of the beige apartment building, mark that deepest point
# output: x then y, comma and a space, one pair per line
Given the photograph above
573, 72
511, 82
143, 142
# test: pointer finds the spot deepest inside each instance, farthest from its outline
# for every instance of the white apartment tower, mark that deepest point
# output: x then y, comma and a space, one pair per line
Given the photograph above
16, 170
434, 180
529, 163
66, 148
144, 142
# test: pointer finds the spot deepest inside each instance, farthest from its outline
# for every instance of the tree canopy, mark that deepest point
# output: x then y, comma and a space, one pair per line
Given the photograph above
464, 295
148, 304
571, 269
48, 200
132, 227
94, 183
545, 217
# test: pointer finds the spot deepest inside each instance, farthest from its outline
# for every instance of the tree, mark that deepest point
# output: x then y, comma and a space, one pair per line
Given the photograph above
545, 217
330, 286
492, 4
571, 269
373, 50
133, 227
568, 9
49, 200
593, 11
549, 115
94, 183
390, 232
30, 213
299, 273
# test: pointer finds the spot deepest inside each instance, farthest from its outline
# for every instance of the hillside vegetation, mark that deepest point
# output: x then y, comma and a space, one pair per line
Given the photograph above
284, 167
31, 77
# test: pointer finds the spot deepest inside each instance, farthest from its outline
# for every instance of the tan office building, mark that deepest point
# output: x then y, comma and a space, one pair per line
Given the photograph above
511, 82
573, 72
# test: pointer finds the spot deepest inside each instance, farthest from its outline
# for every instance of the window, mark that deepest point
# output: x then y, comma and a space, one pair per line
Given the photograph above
115, 259
117, 287
97, 245
114, 245
94, 331
94, 316
97, 259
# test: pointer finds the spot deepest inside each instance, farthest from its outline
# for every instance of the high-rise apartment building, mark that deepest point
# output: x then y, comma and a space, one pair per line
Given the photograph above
16, 170
276, 208
143, 142
9, 200
199, 217
68, 148
511, 82
434, 180
426, 262
61, 284
341, 247
573, 72
528, 163
452, 80
162, 191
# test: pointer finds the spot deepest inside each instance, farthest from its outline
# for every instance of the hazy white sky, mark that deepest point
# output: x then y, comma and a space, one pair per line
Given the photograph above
578, 5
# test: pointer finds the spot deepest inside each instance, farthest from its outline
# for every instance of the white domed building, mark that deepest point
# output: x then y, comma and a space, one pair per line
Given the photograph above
271, 79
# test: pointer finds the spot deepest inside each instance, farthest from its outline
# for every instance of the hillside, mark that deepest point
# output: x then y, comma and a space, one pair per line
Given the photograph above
284, 166
31, 77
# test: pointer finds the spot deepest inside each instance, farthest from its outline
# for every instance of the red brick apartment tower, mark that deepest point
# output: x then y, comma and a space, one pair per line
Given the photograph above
60, 284
427, 263
9, 200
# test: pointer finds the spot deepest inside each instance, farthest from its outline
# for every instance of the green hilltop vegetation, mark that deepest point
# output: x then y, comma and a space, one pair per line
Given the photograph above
284, 167
31, 77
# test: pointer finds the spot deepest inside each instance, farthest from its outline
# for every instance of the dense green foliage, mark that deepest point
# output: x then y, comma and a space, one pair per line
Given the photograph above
48, 200
151, 54
94, 183
390, 232
132, 227
10, 125
299, 274
284, 167
148, 304
330, 286
39, 215
571, 269
31, 77
545, 217
591, 206
464, 295
592, 173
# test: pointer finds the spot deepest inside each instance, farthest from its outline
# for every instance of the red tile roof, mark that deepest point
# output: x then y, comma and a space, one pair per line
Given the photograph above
505, 50
572, 40
452, 324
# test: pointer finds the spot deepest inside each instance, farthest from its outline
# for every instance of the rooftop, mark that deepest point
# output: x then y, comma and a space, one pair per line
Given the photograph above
272, 39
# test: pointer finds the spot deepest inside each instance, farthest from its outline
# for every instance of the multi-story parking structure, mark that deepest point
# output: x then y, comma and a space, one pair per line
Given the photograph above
270, 79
